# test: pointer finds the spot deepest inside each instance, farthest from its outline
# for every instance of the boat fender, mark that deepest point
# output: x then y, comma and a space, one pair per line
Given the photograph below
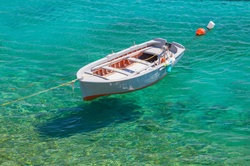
169, 66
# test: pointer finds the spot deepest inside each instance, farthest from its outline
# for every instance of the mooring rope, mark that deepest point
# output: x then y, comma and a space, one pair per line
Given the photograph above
64, 84
35, 94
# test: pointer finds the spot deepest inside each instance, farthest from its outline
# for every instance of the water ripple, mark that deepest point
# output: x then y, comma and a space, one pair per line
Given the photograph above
197, 115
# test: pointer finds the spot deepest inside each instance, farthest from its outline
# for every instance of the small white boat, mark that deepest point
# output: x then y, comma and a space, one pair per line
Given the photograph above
128, 70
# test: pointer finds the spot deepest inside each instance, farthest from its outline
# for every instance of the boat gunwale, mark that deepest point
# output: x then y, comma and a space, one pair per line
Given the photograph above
129, 76
157, 67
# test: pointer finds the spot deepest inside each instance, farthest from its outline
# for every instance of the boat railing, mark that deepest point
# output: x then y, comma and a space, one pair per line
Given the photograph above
134, 48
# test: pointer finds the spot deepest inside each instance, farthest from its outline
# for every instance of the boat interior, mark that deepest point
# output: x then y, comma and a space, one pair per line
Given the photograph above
130, 63
148, 57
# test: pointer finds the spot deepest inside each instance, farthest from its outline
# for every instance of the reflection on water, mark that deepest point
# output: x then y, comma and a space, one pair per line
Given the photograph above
91, 116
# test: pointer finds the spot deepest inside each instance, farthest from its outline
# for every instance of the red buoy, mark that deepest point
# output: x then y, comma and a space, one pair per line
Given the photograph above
200, 31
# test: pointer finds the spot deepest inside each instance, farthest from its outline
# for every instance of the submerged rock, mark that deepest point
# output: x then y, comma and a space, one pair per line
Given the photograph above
149, 125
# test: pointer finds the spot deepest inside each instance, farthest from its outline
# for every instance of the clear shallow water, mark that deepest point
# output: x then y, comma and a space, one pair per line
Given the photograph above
198, 115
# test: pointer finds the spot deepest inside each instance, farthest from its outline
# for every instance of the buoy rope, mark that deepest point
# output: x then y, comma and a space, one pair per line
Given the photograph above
35, 94
64, 84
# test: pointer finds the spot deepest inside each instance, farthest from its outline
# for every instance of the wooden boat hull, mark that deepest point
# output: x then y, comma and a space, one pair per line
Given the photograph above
92, 90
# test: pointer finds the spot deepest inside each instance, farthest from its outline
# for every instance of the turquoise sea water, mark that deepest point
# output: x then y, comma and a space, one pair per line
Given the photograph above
197, 115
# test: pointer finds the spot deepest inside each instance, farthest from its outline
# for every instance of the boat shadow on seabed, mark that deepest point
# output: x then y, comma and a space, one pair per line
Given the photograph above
91, 116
